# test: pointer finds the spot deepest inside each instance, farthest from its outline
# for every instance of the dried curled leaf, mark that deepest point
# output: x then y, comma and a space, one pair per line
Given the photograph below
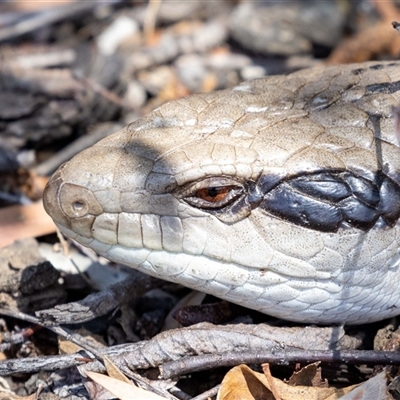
310, 375
243, 383
120, 389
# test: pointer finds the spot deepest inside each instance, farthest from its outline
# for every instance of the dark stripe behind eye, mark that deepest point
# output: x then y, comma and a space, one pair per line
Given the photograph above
326, 200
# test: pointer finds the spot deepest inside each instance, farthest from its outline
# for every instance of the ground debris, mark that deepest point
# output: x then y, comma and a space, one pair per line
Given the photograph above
72, 73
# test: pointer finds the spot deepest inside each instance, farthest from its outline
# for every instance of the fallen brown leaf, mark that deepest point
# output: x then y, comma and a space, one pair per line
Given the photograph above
120, 389
377, 39
20, 222
245, 384
114, 372
310, 375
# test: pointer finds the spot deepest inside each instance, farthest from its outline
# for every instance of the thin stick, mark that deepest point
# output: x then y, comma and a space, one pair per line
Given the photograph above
149, 24
208, 361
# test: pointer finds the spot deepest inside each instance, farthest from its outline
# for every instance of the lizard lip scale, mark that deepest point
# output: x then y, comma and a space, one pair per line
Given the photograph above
281, 194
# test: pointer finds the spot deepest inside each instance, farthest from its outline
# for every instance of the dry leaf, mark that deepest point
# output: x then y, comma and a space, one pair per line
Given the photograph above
241, 383
67, 347
270, 379
192, 298
375, 40
372, 389
114, 372
244, 384
122, 390
19, 222
310, 375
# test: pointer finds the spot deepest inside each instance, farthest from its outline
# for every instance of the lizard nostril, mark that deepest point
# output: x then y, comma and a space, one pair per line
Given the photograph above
77, 201
78, 205
77, 208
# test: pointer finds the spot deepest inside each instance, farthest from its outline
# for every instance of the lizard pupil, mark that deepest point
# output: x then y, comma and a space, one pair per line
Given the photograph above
213, 194
214, 191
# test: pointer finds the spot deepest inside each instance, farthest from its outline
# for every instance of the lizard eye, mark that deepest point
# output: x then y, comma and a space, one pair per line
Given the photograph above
212, 193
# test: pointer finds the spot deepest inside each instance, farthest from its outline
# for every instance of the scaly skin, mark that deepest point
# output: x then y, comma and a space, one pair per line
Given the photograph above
282, 194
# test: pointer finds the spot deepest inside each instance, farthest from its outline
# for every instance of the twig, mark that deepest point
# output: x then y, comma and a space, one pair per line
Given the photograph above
101, 303
209, 393
8, 340
202, 362
63, 332
149, 23
198, 363
47, 17
102, 91
44, 363
198, 339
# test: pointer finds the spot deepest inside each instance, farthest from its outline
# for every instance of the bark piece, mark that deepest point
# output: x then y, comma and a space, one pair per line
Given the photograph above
27, 282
